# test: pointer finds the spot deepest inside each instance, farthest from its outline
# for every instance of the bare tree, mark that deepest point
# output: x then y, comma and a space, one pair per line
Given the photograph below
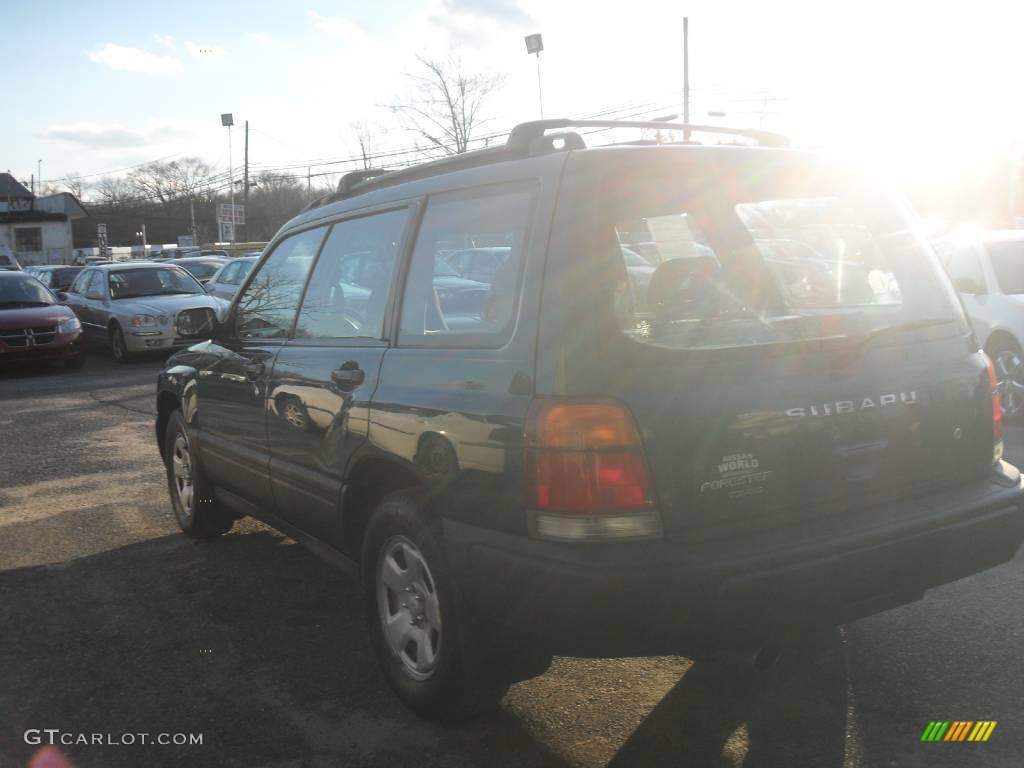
445, 106
75, 184
167, 182
113, 191
365, 135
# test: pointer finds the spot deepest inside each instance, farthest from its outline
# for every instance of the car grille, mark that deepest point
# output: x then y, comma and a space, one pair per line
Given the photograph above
28, 337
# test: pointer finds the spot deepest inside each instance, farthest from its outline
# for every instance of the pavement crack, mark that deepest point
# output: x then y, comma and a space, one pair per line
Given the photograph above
122, 406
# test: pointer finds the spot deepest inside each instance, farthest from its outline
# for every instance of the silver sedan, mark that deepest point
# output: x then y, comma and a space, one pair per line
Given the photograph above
132, 307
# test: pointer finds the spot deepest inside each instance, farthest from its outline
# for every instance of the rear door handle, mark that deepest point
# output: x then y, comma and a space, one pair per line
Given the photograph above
254, 370
349, 375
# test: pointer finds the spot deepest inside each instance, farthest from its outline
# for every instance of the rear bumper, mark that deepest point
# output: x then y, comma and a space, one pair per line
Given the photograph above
674, 597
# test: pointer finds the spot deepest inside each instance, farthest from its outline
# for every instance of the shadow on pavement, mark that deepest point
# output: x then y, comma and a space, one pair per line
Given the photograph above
248, 640
793, 714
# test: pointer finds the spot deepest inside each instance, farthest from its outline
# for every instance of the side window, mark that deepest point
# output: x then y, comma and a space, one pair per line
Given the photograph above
442, 308
78, 286
94, 288
336, 307
268, 306
964, 266
229, 275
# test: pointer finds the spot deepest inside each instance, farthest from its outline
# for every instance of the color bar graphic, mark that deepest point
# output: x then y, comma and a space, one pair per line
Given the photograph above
958, 730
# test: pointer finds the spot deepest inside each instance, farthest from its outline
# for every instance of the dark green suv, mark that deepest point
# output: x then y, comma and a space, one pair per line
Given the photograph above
713, 397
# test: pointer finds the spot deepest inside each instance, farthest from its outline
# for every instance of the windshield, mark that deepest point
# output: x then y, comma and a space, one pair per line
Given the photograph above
24, 291
201, 269
1008, 263
790, 251
164, 281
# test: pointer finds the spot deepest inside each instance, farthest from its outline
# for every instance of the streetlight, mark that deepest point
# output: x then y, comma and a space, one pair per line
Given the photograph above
39, 175
535, 44
227, 119
142, 234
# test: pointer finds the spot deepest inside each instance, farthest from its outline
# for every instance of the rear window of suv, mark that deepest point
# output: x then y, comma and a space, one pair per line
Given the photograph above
739, 254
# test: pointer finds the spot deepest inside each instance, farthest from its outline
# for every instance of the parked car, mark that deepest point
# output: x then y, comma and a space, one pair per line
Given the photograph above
57, 277
988, 272
34, 327
202, 268
564, 472
225, 281
131, 307
459, 298
7, 259
478, 264
215, 252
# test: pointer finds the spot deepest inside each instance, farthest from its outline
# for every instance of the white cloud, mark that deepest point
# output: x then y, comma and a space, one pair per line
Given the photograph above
260, 37
338, 26
125, 59
97, 136
167, 41
205, 52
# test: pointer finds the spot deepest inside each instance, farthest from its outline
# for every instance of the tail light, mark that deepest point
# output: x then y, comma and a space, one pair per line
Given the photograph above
997, 411
588, 472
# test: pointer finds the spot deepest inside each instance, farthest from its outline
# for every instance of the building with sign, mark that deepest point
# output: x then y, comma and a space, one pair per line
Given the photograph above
37, 229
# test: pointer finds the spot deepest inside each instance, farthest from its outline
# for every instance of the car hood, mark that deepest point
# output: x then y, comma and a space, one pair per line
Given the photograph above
164, 304
33, 317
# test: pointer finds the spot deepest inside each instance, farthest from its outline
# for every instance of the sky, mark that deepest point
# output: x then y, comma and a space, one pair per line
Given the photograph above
101, 86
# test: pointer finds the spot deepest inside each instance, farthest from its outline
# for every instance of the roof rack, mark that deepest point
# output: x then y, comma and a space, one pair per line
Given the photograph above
526, 140
526, 133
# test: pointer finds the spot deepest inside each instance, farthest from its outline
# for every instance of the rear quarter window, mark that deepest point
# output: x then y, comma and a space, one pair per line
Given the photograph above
444, 309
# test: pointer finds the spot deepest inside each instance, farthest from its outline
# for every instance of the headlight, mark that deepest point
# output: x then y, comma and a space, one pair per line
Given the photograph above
143, 321
69, 325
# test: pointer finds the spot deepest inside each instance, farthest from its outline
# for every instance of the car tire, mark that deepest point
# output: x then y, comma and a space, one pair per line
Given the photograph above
196, 509
1008, 361
118, 346
434, 655
75, 363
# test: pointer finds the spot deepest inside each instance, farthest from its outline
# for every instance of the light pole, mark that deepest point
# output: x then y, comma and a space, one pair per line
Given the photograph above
39, 175
229, 120
535, 44
142, 234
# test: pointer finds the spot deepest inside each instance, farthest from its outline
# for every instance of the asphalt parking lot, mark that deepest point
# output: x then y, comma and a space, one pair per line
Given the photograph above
113, 623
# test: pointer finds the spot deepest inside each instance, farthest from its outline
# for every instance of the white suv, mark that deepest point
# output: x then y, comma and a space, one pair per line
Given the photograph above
988, 271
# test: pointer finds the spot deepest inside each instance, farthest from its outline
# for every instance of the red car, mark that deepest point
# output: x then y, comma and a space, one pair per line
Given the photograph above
34, 326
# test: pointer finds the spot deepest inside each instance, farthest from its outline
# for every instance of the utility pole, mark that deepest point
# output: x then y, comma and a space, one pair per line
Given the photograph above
686, 76
32, 184
39, 175
192, 208
245, 183
309, 181
231, 176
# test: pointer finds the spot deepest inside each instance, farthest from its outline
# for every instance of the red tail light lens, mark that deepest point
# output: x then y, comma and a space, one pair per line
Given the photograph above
997, 410
585, 459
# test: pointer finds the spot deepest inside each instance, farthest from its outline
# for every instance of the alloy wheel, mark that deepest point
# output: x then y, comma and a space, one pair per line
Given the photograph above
408, 607
1010, 382
181, 467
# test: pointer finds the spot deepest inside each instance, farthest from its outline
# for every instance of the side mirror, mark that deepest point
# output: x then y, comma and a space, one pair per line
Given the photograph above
968, 285
198, 323
61, 296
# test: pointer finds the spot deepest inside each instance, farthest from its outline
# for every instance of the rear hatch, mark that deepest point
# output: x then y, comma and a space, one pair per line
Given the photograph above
797, 352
